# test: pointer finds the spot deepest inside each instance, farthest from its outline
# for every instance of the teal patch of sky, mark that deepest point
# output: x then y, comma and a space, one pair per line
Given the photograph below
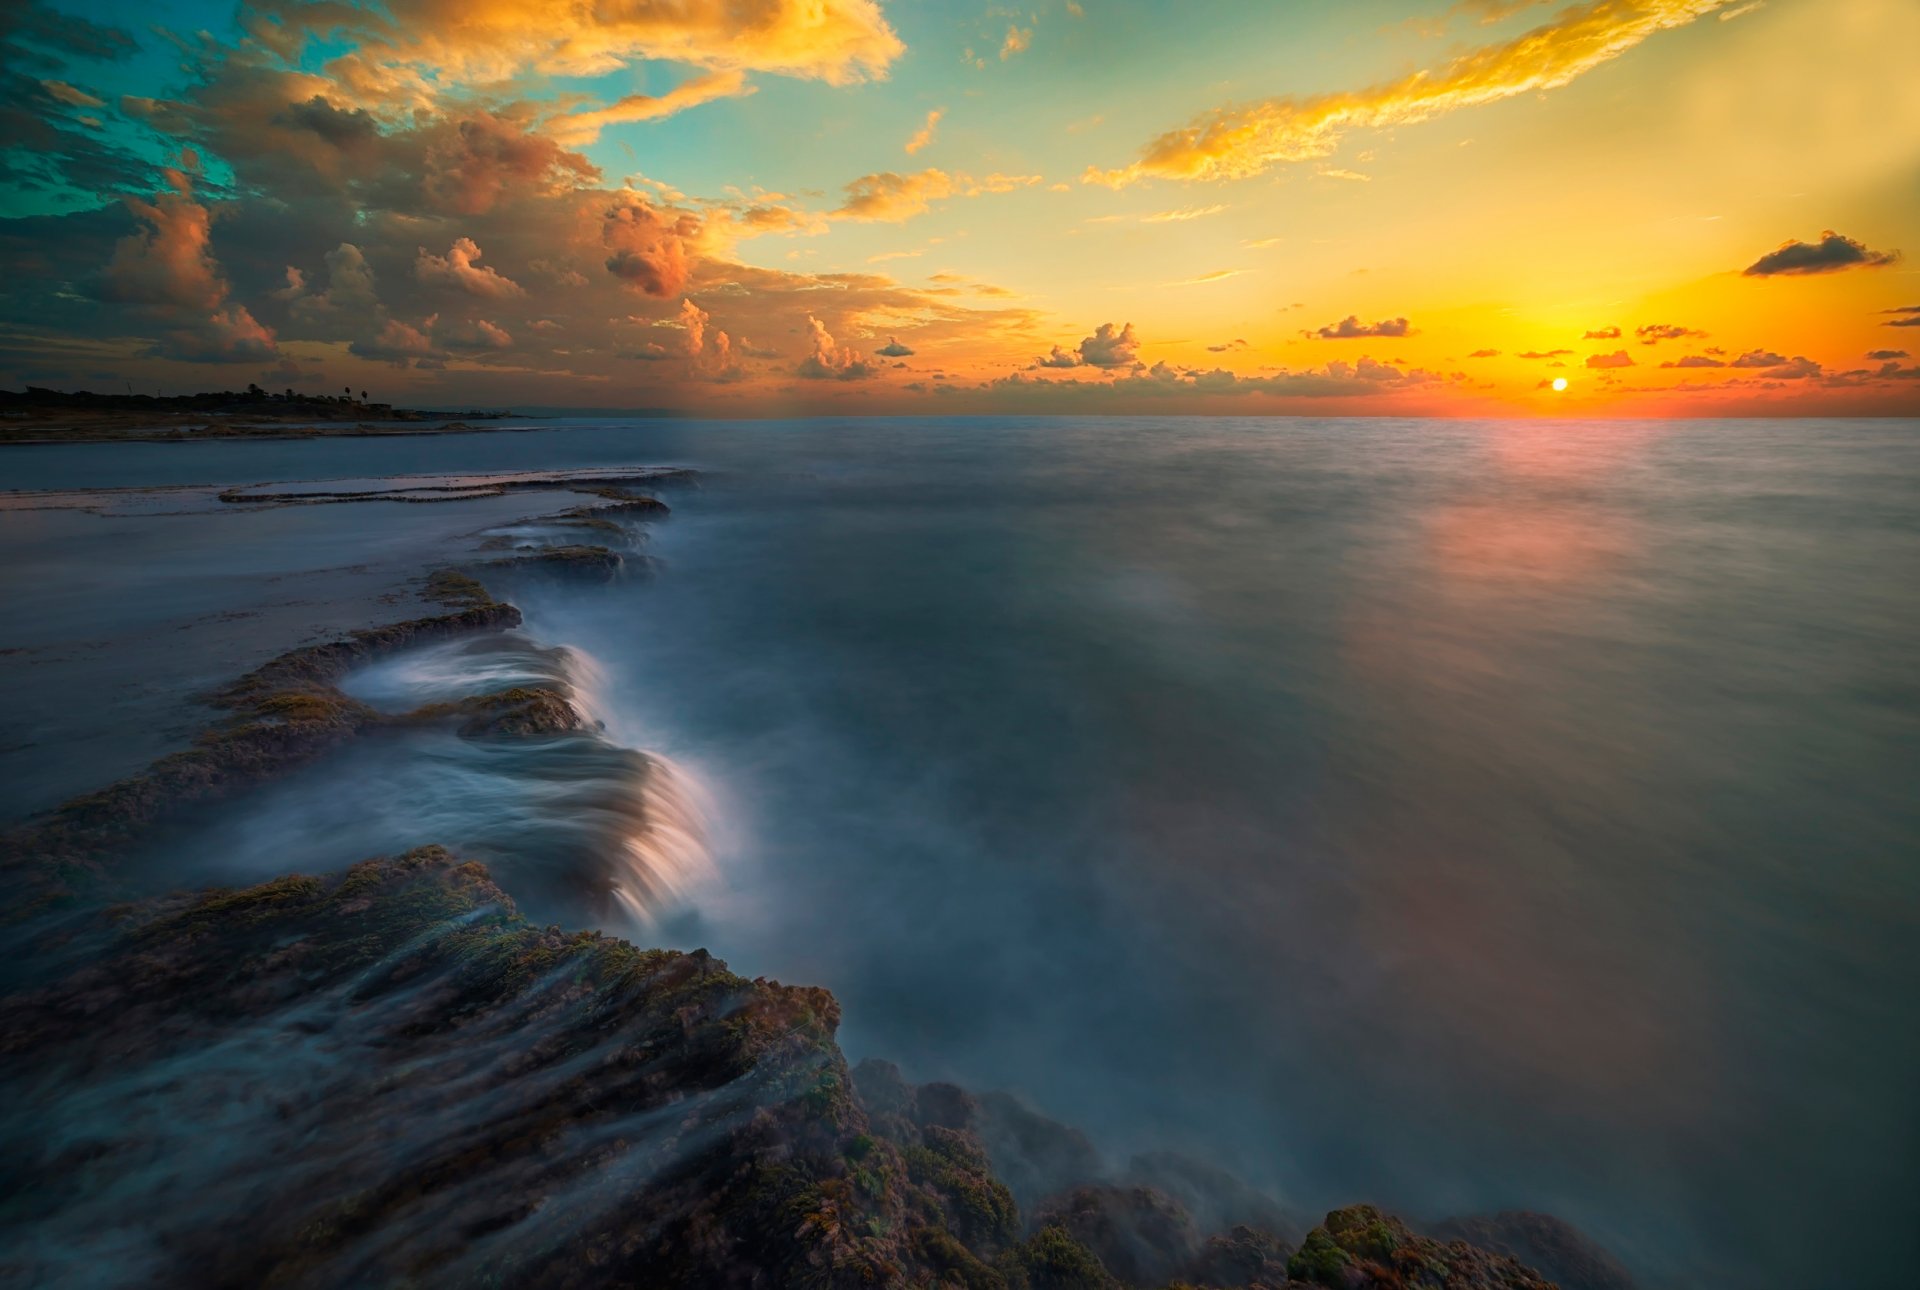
1139, 66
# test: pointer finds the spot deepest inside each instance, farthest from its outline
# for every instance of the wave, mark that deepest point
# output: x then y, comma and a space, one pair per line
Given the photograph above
573, 825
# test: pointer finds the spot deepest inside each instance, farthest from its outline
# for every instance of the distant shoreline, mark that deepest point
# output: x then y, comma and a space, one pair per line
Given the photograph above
204, 429
40, 416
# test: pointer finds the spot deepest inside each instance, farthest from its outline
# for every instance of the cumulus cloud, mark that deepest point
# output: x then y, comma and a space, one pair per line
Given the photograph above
894, 349
1886, 354
1351, 328
168, 270
1911, 320
1058, 357
693, 321
1110, 347
349, 288
1695, 360
457, 269
477, 334
649, 248
1236, 142
1484, 353
169, 262
1619, 358
1227, 346
1777, 366
1016, 41
924, 135
577, 129
469, 164
1602, 333
1830, 254
399, 344
1546, 353
229, 335
1364, 377
827, 360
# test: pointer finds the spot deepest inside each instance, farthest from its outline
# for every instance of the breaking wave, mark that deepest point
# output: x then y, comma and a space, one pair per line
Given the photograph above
573, 825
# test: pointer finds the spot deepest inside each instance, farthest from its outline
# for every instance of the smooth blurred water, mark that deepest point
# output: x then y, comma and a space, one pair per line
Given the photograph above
1453, 815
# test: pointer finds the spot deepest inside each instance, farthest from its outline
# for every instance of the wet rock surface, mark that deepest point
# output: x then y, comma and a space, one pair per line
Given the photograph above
453, 1092
1558, 1249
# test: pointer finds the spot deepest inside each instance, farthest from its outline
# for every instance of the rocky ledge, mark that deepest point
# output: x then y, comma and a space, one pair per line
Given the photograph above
387, 1076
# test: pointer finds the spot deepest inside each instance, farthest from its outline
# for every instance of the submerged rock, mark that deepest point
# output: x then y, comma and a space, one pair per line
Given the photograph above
595, 563
1141, 1236
631, 505
280, 715
1243, 1256
1557, 1248
1359, 1248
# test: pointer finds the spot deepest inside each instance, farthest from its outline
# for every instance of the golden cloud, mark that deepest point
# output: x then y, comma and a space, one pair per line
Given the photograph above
578, 129
1235, 142
468, 41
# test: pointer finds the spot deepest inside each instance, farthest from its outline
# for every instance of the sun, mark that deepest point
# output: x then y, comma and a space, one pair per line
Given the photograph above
1559, 384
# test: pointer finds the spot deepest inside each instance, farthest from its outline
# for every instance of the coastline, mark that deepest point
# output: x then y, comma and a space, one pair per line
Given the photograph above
851, 1176
196, 429
42, 416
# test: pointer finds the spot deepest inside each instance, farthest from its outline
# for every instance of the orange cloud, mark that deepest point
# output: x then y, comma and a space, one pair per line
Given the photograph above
1236, 142
924, 135
829, 361
580, 128
169, 263
457, 269
169, 269
482, 41
889, 197
650, 251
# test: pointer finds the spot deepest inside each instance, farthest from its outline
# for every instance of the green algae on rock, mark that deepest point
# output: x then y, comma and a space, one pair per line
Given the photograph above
282, 714
455, 1093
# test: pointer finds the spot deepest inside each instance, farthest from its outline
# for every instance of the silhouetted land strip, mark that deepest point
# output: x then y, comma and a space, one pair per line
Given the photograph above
37, 415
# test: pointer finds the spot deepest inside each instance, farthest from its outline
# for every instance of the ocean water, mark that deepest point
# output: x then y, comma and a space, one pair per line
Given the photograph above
1452, 815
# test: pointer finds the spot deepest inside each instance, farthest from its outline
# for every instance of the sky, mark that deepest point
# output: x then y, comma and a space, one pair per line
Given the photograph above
797, 207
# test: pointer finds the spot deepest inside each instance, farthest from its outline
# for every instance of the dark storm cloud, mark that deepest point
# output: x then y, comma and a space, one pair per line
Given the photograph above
1830, 254
51, 139
35, 32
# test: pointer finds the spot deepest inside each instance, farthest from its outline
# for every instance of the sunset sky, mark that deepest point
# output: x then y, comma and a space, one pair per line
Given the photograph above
777, 207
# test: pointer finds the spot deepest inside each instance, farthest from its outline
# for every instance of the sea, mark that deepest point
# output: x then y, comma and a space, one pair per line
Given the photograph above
1454, 815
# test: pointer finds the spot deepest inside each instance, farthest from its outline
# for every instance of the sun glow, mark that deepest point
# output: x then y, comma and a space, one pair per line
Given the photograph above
1559, 384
